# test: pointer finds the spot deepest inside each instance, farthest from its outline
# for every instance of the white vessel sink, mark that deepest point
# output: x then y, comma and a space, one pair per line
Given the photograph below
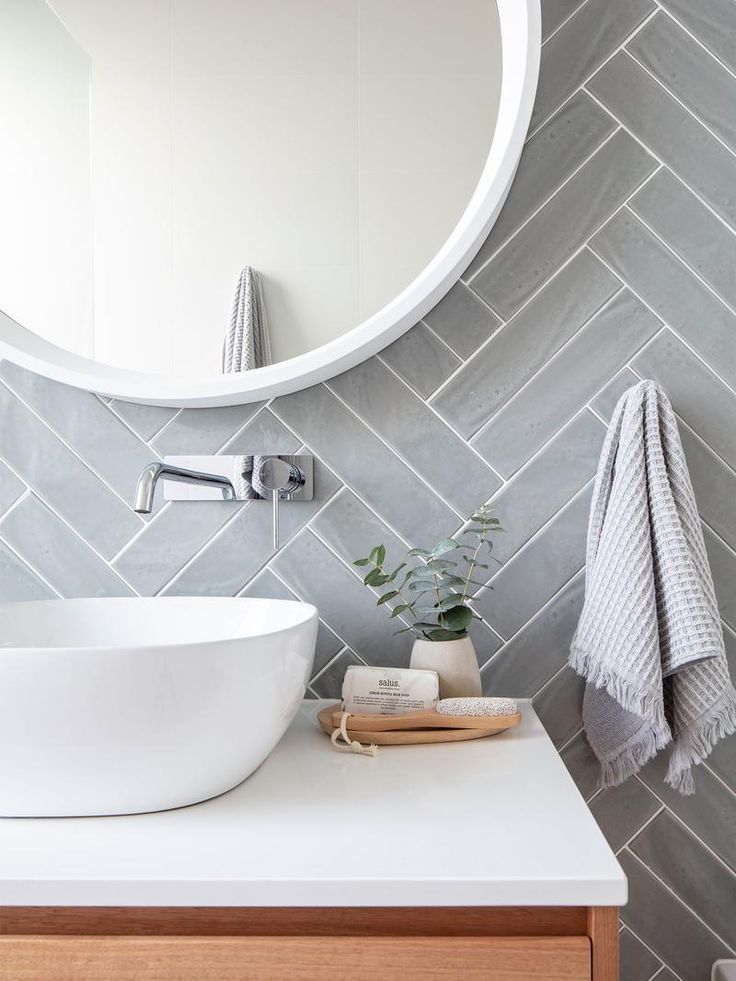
117, 706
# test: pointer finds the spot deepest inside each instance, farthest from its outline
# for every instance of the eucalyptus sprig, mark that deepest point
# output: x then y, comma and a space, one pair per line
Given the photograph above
434, 593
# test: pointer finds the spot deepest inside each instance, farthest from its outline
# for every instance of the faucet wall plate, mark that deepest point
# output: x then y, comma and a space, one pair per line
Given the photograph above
240, 471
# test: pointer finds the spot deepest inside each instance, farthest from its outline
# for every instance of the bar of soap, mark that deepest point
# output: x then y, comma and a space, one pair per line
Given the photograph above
389, 691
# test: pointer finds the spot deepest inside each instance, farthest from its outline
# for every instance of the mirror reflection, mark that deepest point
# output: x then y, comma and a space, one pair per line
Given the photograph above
196, 186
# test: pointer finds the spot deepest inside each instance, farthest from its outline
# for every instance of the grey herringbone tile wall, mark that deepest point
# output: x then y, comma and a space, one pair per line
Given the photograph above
613, 259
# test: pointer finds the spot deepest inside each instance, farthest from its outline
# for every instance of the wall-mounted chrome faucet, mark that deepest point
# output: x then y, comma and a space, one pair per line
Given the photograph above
272, 478
151, 474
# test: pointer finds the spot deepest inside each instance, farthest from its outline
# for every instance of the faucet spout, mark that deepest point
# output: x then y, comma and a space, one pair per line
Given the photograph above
151, 474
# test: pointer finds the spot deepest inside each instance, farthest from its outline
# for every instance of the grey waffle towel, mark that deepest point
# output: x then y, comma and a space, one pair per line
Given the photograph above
247, 346
649, 641
247, 343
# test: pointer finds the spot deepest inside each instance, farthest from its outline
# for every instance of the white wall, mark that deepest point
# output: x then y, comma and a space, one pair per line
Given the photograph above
45, 218
331, 144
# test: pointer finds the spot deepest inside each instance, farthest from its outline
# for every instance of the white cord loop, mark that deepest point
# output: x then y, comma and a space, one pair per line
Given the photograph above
350, 745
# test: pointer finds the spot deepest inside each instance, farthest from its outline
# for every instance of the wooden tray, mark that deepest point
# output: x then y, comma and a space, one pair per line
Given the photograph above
421, 727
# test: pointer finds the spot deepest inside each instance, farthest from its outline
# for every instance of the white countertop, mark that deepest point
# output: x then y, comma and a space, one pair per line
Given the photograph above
496, 821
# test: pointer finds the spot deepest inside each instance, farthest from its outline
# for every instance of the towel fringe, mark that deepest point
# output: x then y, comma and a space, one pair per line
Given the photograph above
695, 743
647, 705
630, 760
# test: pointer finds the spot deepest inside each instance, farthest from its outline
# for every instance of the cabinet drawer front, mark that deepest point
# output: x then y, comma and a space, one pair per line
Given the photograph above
33, 958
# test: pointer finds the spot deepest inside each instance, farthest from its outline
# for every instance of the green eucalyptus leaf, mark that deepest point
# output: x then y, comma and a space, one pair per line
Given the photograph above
387, 596
378, 554
457, 618
421, 587
362, 562
475, 564
419, 551
396, 571
401, 608
439, 565
439, 633
446, 545
451, 601
375, 578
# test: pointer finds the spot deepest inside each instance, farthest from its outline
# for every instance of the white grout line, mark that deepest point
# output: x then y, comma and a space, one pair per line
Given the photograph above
563, 22
672, 251
698, 438
666, 324
663, 966
223, 448
554, 357
668, 13
561, 749
536, 536
393, 451
443, 422
663, 85
660, 810
202, 548
536, 616
42, 498
706, 766
142, 531
124, 422
512, 235
681, 821
665, 244
679, 899
346, 649
663, 163
266, 564
598, 67
167, 504
434, 334
223, 528
346, 485
376, 591
300, 595
543, 286
24, 495
165, 426
29, 565
549, 680
509, 325
68, 446
482, 300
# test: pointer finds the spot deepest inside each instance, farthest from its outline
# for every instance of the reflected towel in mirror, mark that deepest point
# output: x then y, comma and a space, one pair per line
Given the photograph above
247, 346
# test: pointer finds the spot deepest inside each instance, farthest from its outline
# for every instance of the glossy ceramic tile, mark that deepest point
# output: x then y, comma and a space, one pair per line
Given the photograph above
565, 242
671, 289
564, 223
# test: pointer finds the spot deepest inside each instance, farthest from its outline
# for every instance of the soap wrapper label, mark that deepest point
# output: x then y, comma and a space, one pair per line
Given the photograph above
389, 691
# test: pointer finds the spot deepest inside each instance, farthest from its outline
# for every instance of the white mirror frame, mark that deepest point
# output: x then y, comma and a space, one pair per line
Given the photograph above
520, 23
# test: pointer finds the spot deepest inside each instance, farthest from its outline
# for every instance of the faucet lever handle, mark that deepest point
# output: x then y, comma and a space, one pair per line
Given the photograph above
280, 477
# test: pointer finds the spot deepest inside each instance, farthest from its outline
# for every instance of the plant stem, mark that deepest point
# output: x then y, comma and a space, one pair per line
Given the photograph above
473, 562
399, 591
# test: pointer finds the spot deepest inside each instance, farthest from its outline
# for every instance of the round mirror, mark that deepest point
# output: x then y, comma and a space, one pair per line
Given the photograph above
213, 201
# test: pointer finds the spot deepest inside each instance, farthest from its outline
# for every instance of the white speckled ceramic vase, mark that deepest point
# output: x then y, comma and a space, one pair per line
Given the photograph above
454, 661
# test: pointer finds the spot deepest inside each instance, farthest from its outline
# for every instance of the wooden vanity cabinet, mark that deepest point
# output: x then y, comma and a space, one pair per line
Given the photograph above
309, 944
